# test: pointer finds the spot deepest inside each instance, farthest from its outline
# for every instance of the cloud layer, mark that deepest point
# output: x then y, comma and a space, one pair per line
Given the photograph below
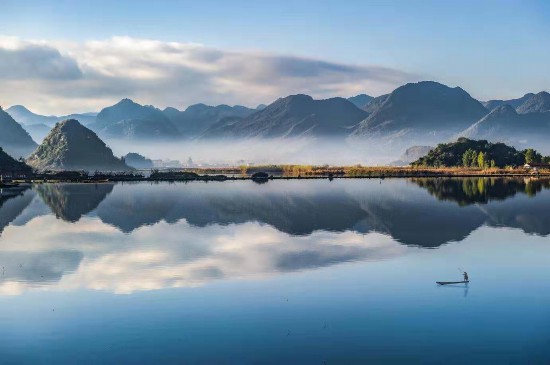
62, 78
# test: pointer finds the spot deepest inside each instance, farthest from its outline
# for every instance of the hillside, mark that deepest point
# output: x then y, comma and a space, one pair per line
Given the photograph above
199, 117
130, 120
504, 124
71, 146
8, 164
375, 103
425, 111
293, 116
452, 154
138, 161
13, 138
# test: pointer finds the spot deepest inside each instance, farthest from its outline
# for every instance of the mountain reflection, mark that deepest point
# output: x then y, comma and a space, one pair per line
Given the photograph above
139, 236
71, 201
12, 203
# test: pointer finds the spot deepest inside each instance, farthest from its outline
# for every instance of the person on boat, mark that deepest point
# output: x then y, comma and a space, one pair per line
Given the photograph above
466, 276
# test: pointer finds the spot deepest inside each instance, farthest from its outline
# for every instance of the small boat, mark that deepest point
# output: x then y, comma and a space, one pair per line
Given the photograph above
452, 282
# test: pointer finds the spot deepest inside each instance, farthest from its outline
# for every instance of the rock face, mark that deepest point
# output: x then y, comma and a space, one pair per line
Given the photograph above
138, 161
360, 100
129, 120
197, 118
71, 146
293, 116
426, 111
13, 138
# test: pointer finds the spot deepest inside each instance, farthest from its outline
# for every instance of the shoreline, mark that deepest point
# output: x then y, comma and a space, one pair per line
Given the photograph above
187, 176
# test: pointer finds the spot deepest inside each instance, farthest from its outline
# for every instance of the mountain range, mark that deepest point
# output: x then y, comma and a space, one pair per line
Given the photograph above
422, 113
198, 118
293, 116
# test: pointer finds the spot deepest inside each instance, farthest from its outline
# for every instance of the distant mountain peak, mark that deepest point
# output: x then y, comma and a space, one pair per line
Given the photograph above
360, 100
19, 108
537, 103
427, 110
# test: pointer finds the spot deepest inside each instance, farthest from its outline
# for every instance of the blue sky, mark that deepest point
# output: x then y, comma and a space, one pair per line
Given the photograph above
490, 48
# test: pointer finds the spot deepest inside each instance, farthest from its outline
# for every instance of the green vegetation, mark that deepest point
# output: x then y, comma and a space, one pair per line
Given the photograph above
477, 154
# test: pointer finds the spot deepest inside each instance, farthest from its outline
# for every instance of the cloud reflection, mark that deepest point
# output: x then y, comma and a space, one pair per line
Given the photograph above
94, 255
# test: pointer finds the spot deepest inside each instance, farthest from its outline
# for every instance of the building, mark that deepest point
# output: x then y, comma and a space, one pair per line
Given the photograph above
535, 166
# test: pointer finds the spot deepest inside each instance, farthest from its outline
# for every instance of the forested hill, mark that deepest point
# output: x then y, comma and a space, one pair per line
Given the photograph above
478, 153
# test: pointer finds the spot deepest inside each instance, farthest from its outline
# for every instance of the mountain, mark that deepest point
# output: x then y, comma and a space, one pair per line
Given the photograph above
426, 111
261, 106
13, 138
138, 161
199, 117
360, 100
71, 146
505, 124
491, 104
538, 103
293, 116
24, 116
412, 154
130, 120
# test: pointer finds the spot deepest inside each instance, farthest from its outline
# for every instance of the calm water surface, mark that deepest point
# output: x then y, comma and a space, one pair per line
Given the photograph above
288, 272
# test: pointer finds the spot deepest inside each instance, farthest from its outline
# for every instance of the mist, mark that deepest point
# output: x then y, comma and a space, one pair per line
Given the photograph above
310, 151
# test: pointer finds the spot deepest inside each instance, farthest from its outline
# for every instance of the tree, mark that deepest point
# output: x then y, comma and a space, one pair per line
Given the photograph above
469, 158
466, 158
481, 159
532, 156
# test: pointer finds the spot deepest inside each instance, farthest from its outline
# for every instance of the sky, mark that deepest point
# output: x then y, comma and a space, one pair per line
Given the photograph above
58, 57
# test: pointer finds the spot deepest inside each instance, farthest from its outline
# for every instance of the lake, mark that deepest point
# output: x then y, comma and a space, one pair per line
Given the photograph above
286, 272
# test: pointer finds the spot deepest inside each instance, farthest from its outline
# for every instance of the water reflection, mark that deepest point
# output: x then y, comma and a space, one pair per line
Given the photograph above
71, 201
466, 191
129, 237
12, 203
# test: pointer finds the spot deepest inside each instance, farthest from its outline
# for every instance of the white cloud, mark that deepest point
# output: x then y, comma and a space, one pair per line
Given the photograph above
62, 78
